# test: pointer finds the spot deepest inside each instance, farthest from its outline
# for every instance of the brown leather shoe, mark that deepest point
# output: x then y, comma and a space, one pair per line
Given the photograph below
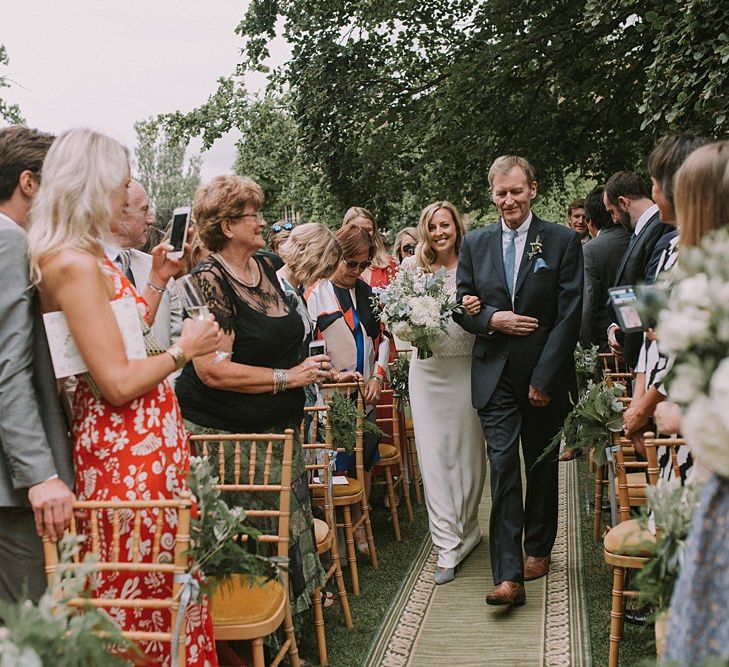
536, 567
507, 593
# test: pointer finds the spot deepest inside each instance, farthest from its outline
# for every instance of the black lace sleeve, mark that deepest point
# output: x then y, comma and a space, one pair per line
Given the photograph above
217, 292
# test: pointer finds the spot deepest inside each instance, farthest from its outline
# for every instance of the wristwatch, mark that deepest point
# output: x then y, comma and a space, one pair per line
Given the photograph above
178, 354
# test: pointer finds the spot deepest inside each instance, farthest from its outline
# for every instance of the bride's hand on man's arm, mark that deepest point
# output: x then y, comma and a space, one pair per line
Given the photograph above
471, 304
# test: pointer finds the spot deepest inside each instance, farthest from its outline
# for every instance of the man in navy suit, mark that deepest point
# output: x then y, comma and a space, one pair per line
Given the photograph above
528, 277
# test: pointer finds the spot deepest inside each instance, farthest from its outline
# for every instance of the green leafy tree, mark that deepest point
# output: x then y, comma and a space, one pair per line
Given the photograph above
8, 112
169, 179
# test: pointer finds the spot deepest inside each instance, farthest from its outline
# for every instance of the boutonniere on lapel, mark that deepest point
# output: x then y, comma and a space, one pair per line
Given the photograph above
535, 248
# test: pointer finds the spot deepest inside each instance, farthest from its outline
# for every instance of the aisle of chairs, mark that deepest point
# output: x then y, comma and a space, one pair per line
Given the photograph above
250, 608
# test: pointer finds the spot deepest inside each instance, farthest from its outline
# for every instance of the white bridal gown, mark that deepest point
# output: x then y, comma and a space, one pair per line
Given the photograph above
450, 441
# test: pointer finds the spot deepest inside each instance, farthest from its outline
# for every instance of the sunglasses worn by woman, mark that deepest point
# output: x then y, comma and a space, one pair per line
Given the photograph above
277, 229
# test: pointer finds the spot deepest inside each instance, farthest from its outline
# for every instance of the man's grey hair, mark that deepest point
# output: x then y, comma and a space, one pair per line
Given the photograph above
505, 163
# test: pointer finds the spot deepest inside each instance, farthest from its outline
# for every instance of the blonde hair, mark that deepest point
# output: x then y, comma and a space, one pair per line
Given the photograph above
701, 193
397, 246
73, 206
380, 258
311, 252
424, 254
223, 198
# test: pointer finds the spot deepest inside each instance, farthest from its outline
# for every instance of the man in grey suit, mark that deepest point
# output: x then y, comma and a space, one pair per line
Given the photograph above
36, 471
135, 224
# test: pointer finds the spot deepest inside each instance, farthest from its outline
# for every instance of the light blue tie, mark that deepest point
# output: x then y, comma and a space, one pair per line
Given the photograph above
510, 260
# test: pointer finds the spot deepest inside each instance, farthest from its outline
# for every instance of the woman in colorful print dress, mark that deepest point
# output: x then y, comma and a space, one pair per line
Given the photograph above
129, 443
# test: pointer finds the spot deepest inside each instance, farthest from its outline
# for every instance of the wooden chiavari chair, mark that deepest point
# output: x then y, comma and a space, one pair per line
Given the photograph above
391, 458
250, 608
104, 516
326, 530
629, 546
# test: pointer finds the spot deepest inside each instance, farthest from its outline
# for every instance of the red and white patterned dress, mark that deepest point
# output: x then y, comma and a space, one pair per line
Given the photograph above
138, 451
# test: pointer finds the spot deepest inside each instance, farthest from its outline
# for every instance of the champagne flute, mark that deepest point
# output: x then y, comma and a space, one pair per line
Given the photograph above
195, 305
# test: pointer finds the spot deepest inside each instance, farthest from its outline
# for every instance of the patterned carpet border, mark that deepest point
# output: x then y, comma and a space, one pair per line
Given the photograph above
395, 638
566, 630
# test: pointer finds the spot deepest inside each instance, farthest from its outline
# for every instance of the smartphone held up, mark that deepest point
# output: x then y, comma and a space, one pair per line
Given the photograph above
178, 235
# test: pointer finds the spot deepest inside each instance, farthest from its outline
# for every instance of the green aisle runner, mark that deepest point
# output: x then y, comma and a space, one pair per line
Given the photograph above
451, 624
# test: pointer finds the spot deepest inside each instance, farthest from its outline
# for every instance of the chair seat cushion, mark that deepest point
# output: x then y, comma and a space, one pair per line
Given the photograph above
387, 452
321, 530
636, 485
245, 600
354, 486
629, 538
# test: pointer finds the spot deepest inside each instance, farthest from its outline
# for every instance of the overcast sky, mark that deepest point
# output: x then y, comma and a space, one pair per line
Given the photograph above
108, 64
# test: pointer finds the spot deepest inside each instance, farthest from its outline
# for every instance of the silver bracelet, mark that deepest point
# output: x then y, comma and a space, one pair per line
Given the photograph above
155, 288
280, 380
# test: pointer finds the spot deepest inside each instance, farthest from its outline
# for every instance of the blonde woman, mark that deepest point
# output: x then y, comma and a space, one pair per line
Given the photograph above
383, 267
128, 439
448, 435
405, 243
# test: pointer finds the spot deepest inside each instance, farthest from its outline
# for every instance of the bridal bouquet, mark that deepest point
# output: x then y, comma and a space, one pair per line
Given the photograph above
416, 306
693, 330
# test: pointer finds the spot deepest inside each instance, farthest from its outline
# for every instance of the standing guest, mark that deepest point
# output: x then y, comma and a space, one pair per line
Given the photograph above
259, 388
628, 201
356, 341
123, 249
602, 256
527, 275
155, 236
697, 631
383, 267
128, 439
576, 219
405, 243
36, 471
448, 433
278, 233
665, 160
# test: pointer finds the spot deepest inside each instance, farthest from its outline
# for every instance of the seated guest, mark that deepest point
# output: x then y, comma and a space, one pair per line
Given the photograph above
36, 470
602, 256
259, 388
356, 341
405, 243
128, 439
383, 266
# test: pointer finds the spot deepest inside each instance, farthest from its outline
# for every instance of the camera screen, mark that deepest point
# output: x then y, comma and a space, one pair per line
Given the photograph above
177, 238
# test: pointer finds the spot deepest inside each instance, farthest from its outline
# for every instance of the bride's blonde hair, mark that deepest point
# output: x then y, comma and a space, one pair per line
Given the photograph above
425, 254
73, 206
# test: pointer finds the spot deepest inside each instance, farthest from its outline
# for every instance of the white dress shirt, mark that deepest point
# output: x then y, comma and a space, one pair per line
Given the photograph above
519, 242
644, 218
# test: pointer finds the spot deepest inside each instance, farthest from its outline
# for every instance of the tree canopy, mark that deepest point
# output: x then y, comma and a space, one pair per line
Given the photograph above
411, 100
8, 112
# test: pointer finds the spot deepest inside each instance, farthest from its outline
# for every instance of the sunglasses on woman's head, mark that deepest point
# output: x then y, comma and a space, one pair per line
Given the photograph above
287, 226
408, 249
352, 265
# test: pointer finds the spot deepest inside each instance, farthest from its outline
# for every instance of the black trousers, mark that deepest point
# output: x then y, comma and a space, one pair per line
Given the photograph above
508, 419
21, 556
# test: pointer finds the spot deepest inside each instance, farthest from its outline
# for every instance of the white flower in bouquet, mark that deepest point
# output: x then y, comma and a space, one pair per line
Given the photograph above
705, 432
688, 381
719, 392
425, 311
402, 330
679, 330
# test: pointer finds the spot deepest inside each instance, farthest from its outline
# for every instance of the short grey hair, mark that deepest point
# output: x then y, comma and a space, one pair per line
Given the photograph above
505, 163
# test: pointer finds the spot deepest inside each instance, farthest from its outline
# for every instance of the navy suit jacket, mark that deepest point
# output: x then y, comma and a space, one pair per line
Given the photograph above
548, 287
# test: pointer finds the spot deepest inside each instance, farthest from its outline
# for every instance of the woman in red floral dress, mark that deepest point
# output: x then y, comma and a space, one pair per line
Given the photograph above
129, 443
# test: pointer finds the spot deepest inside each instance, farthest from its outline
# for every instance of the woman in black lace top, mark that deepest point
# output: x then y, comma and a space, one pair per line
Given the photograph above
259, 388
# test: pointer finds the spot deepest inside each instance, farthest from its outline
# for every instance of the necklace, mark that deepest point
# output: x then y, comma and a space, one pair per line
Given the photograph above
254, 282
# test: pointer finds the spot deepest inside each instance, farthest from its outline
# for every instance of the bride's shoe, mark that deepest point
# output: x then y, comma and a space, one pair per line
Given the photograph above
444, 575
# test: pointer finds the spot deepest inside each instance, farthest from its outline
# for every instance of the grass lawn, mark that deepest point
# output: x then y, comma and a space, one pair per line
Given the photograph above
377, 589
638, 642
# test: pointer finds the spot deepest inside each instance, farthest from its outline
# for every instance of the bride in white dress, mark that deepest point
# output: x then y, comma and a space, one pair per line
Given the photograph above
448, 433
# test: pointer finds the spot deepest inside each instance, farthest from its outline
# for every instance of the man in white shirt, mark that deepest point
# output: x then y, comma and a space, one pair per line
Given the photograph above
36, 469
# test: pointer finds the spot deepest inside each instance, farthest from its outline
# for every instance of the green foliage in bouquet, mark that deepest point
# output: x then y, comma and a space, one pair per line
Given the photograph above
344, 414
214, 551
673, 508
585, 366
399, 377
53, 633
591, 422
